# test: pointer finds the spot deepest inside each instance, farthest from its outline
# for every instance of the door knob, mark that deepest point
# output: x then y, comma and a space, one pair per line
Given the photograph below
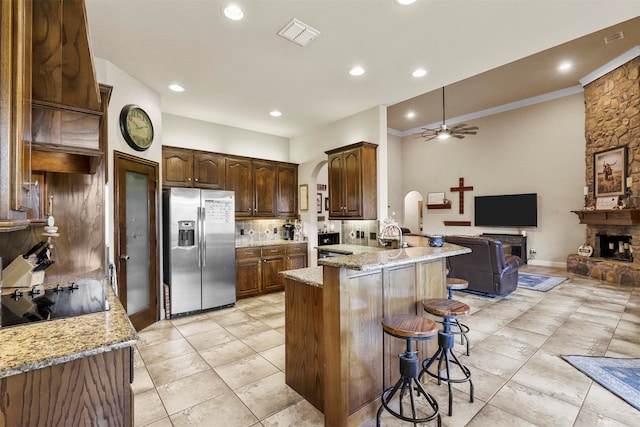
124, 257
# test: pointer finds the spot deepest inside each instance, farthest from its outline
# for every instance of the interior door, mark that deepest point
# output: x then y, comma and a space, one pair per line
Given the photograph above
136, 237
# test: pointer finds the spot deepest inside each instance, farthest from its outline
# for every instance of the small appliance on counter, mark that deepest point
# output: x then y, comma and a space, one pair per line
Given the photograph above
328, 239
288, 231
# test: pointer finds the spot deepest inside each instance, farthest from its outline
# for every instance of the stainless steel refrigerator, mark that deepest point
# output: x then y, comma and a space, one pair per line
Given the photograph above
199, 248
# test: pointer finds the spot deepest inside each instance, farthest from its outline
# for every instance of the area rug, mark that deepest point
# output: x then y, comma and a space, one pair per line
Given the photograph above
539, 282
620, 376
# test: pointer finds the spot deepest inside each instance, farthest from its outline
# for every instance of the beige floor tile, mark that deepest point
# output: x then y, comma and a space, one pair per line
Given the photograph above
622, 348
463, 409
163, 351
199, 327
157, 336
210, 339
246, 329
233, 316
268, 395
225, 411
276, 356
227, 352
494, 363
485, 384
165, 422
161, 324
141, 380
275, 298
591, 419
249, 304
275, 320
181, 394
261, 311
176, 368
299, 414
550, 374
602, 401
147, 408
489, 415
264, 340
514, 343
534, 407
539, 320
245, 371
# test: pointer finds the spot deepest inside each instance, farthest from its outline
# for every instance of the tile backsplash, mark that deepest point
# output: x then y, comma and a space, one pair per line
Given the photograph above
363, 233
259, 230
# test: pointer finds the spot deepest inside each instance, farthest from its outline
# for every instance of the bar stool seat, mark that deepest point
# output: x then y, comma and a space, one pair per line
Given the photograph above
410, 328
456, 284
449, 310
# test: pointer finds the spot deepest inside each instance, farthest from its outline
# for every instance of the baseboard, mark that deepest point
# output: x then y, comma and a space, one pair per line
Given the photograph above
545, 263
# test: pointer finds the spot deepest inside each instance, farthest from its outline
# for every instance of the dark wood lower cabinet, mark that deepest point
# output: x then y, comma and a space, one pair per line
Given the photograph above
92, 391
257, 268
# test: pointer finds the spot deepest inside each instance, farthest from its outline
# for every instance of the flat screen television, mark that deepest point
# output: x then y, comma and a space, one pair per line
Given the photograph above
512, 210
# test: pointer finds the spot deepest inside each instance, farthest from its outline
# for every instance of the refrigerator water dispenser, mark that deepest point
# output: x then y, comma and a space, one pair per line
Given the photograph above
186, 233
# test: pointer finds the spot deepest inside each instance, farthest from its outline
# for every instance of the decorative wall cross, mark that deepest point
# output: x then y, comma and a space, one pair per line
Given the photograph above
461, 189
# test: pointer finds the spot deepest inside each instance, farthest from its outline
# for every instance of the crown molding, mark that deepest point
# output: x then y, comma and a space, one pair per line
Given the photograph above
632, 53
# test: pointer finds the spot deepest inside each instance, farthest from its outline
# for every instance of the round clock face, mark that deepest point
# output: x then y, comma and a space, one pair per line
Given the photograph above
136, 127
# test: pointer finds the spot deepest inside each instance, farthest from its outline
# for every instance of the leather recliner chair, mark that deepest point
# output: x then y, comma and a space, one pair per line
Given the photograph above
486, 268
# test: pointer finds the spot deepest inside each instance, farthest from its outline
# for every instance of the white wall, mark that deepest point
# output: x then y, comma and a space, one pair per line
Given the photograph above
395, 193
308, 150
185, 132
537, 149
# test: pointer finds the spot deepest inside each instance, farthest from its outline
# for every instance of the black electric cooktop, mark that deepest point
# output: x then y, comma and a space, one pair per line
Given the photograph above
64, 300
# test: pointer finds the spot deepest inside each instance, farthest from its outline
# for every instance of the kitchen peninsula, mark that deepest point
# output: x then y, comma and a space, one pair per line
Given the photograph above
335, 349
71, 371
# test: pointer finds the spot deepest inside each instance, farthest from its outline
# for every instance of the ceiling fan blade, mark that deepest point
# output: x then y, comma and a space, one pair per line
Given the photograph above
459, 125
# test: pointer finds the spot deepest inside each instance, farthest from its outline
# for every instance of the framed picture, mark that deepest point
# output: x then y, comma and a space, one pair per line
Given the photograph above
610, 172
435, 198
303, 197
322, 187
319, 203
326, 204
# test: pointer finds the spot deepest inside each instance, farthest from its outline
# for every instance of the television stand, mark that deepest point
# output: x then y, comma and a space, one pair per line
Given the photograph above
517, 242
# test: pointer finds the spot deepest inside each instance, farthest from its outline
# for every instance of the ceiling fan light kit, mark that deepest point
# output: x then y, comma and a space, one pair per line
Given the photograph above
444, 132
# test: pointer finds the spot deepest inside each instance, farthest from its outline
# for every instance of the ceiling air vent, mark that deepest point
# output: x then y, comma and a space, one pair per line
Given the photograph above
614, 37
298, 32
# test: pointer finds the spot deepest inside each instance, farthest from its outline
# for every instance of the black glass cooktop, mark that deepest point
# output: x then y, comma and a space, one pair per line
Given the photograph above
64, 300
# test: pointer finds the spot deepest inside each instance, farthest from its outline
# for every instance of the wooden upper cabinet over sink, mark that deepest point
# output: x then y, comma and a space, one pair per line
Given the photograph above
353, 181
189, 168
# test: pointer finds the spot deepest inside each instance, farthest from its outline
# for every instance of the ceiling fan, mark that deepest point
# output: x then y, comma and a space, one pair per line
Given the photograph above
445, 132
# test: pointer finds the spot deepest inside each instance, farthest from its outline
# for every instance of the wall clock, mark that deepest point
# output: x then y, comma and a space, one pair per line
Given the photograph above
136, 127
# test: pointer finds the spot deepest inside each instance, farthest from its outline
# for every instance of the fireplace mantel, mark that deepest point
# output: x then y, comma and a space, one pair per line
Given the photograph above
609, 216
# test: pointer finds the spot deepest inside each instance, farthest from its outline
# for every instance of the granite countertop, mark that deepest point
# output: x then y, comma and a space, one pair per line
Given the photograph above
276, 242
393, 257
349, 249
37, 345
310, 276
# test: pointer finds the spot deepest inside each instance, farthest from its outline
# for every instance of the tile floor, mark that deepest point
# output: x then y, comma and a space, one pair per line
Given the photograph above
226, 368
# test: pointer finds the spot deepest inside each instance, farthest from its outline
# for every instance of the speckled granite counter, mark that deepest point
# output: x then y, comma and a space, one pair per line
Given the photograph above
350, 249
267, 243
309, 276
393, 257
37, 345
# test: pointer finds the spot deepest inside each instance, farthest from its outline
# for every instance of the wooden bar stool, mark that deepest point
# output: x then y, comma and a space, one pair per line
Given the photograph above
410, 328
449, 310
455, 284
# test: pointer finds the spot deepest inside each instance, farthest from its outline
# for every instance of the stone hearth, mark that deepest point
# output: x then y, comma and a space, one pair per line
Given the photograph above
620, 272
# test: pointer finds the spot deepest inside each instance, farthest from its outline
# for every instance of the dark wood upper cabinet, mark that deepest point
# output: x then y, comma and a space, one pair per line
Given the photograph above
353, 182
287, 198
239, 178
177, 167
188, 168
208, 170
265, 189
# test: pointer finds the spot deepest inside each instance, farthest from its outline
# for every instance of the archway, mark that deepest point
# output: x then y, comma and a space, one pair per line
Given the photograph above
413, 216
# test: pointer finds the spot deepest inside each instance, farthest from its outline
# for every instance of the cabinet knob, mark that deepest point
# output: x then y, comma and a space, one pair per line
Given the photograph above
196, 179
188, 179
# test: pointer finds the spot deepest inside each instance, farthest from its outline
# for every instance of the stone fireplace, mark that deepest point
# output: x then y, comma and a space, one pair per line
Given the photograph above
612, 119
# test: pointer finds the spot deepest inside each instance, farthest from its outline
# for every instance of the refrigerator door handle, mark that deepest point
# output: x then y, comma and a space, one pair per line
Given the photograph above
199, 236
203, 240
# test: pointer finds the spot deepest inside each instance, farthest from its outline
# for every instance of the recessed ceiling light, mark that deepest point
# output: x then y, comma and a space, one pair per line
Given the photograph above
233, 12
356, 71
404, 2
419, 72
176, 87
411, 114
565, 66
275, 113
